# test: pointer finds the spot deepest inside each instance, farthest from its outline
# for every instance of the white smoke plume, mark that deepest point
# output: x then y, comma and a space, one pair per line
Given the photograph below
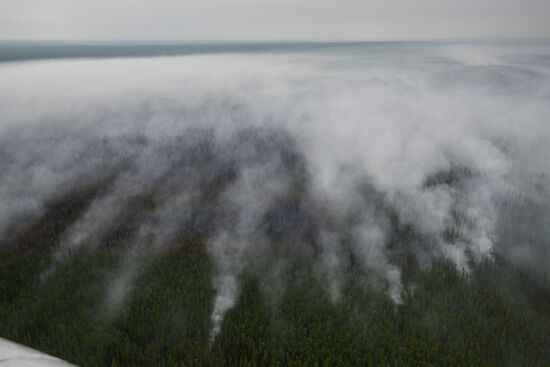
345, 157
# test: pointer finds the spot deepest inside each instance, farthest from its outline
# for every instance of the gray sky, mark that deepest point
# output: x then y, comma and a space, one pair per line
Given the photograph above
273, 19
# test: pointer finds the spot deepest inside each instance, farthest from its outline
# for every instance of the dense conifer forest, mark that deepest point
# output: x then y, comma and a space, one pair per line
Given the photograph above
496, 315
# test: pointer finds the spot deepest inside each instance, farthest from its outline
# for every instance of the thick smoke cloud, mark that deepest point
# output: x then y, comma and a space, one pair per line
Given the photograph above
356, 159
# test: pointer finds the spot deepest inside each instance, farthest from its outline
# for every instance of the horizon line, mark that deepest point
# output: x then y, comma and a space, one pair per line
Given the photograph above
271, 40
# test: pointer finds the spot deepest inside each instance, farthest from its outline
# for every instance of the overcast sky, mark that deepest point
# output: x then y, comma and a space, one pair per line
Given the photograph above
273, 19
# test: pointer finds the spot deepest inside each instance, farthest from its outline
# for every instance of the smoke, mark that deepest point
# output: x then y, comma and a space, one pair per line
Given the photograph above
356, 158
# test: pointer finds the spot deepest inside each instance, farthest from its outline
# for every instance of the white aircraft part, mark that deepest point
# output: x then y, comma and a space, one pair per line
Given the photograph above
16, 355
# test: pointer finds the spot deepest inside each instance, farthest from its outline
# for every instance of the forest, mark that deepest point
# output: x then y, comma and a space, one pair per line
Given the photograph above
496, 315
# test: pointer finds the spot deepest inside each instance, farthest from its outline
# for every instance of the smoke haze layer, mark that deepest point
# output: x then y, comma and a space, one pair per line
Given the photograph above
356, 157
